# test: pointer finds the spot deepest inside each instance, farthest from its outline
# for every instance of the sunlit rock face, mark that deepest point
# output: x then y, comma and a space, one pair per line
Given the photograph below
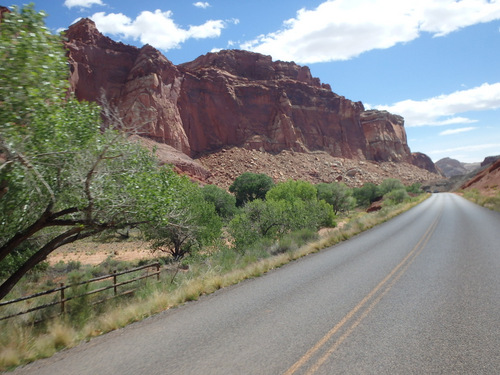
229, 98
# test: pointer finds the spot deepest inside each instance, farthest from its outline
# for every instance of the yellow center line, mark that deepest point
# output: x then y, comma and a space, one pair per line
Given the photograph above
306, 357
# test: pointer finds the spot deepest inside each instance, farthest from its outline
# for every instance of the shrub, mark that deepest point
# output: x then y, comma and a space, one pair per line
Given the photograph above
292, 190
389, 185
338, 195
396, 196
367, 194
415, 188
250, 186
190, 224
224, 203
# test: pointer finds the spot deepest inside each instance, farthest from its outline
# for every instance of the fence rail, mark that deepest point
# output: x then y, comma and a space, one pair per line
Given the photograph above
63, 299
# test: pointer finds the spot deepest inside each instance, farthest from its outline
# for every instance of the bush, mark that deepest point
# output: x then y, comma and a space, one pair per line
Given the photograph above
290, 206
250, 186
189, 223
389, 185
415, 188
367, 194
338, 195
224, 203
396, 196
292, 190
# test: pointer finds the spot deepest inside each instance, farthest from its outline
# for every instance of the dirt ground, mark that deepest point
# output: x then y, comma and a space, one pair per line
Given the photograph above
93, 253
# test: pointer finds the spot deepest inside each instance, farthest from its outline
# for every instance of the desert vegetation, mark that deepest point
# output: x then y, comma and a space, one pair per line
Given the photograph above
69, 173
491, 201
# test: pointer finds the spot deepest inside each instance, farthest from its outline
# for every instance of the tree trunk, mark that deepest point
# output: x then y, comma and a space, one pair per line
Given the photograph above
20, 237
67, 237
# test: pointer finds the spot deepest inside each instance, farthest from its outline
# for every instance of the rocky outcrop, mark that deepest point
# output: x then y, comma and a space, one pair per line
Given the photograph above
385, 135
423, 161
227, 99
489, 160
487, 180
239, 98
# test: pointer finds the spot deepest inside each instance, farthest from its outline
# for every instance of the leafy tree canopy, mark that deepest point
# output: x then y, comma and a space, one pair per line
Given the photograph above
367, 194
61, 177
389, 185
225, 203
338, 195
250, 186
289, 206
192, 222
292, 190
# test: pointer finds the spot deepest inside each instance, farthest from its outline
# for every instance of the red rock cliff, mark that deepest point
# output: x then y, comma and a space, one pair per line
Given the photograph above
229, 98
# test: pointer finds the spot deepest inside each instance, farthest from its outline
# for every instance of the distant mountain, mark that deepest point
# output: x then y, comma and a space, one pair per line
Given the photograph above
451, 167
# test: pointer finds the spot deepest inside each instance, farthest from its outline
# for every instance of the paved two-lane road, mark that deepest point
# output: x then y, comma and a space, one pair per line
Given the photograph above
419, 294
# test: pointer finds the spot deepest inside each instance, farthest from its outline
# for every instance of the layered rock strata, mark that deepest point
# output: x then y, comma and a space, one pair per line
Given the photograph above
230, 98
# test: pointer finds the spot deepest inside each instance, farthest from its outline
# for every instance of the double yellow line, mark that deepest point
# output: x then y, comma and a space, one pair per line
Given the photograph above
363, 308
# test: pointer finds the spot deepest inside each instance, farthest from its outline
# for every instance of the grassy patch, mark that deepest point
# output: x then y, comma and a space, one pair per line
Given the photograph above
491, 202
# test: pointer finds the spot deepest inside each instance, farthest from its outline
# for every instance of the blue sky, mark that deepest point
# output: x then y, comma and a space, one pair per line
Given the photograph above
435, 62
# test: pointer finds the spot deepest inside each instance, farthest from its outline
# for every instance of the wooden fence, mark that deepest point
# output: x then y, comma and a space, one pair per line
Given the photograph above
62, 288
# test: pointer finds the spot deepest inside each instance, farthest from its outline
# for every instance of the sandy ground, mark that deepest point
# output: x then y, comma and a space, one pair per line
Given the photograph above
93, 253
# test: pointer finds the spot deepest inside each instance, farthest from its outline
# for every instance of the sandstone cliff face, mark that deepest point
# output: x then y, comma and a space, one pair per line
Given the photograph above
229, 98
240, 98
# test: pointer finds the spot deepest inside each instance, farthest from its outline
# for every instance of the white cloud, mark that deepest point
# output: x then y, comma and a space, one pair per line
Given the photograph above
156, 28
201, 4
82, 3
457, 131
343, 29
442, 110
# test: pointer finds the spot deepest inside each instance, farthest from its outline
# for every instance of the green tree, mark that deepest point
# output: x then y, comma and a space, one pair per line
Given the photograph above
250, 186
259, 219
62, 178
367, 194
304, 210
338, 195
415, 188
396, 196
292, 190
289, 206
225, 203
191, 223
389, 185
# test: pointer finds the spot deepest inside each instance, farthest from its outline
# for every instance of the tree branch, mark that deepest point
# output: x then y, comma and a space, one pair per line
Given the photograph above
22, 236
64, 238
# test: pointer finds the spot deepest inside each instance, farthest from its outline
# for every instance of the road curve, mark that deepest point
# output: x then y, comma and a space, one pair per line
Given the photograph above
419, 294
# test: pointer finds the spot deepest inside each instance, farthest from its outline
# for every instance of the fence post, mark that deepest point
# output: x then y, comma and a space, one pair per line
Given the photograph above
63, 309
157, 271
114, 281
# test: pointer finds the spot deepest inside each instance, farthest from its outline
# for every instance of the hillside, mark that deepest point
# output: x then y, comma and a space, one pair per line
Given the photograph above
487, 180
237, 100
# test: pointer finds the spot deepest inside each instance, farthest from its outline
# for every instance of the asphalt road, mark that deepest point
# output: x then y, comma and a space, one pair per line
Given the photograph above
419, 294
